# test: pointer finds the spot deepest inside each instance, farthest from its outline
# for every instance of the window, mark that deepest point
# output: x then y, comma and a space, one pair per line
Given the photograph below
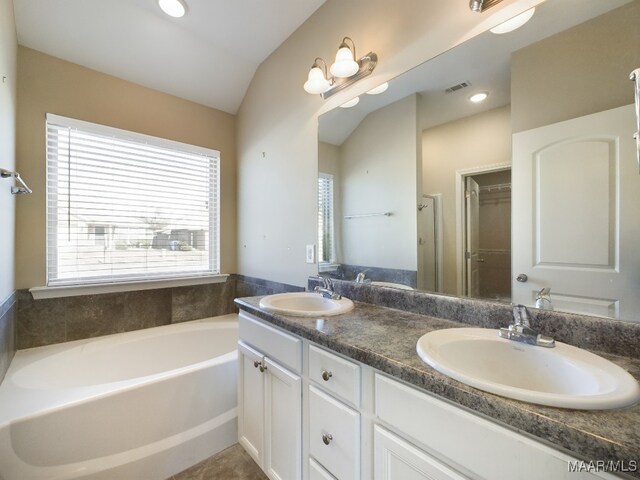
326, 240
124, 207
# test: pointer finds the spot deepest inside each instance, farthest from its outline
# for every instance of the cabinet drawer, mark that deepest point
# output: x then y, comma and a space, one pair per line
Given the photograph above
468, 442
334, 435
316, 472
335, 374
286, 348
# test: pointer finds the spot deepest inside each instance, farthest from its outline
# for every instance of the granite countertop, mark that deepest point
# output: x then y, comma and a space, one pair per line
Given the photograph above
385, 339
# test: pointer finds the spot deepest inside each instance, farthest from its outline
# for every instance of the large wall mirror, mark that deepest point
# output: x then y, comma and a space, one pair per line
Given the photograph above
530, 196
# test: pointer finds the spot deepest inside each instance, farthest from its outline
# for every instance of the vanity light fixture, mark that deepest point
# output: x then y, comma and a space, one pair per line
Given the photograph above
351, 103
478, 97
481, 5
379, 89
345, 71
173, 8
513, 23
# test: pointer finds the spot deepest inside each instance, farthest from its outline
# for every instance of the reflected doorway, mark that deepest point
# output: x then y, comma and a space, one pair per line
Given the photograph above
486, 234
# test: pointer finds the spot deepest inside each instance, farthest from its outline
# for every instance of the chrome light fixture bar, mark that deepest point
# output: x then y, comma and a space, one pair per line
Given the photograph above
23, 188
345, 71
482, 5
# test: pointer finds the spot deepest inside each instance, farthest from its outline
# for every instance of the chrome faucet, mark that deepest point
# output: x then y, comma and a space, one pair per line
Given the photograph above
360, 278
327, 289
543, 299
520, 330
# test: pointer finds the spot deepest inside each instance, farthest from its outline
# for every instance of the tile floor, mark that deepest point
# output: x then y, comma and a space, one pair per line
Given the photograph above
230, 464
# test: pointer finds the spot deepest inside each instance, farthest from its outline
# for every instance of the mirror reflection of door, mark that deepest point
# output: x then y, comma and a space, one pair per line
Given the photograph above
487, 234
430, 243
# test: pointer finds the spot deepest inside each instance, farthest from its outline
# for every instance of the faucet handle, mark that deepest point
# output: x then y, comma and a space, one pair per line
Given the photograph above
520, 315
327, 282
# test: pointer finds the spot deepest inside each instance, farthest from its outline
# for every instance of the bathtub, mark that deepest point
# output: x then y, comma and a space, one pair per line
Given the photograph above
137, 405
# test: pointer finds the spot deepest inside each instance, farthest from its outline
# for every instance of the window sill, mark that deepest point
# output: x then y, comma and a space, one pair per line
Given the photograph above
96, 289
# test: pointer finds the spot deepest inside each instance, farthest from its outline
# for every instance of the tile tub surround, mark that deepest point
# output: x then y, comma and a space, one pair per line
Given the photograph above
8, 313
592, 333
385, 339
55, 320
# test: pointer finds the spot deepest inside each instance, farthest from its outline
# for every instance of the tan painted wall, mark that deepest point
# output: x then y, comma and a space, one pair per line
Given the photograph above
577, 72
475, 141
277, 121
8, 101
378, 174
47, 84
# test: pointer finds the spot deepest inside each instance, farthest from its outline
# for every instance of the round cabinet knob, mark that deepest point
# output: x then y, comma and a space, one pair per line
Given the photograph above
522, 278
326, 438
256, 363
262, 368
326, 375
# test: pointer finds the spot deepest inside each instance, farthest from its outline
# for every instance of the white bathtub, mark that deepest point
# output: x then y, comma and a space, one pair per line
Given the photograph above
137, 405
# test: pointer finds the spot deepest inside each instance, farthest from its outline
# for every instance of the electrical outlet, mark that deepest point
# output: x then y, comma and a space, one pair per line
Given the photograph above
311, 254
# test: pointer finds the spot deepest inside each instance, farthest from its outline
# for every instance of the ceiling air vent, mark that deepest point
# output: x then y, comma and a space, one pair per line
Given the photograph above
457, 87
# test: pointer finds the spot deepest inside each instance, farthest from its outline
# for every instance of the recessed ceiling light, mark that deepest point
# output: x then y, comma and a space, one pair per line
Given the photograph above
379, 89
478, 97
514, 23
173, 8
351, 103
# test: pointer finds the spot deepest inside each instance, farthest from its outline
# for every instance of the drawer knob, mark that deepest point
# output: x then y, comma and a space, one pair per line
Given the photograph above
326, 375
259, 365
326, 438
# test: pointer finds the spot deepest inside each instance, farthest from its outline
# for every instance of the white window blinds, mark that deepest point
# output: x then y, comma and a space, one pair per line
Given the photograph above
325, 218
122, 206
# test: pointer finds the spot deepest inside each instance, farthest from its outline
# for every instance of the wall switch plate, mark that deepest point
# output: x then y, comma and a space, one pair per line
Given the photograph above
311, 254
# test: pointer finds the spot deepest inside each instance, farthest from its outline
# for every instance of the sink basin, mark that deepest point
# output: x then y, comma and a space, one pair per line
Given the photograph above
563, 376
305, 304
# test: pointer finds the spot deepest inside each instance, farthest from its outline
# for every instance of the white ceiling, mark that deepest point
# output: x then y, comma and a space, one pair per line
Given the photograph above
209, 56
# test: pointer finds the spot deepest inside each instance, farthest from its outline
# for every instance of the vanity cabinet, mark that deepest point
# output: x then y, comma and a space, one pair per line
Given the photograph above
270, 401
333, 418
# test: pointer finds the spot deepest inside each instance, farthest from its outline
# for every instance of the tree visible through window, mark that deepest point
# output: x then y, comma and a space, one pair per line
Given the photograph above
123, 206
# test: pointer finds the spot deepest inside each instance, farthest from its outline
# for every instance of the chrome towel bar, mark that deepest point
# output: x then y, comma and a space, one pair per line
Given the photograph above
363, 215
23, 188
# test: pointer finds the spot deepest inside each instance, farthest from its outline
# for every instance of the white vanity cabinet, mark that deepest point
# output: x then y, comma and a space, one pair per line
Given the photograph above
270, 399
317, 415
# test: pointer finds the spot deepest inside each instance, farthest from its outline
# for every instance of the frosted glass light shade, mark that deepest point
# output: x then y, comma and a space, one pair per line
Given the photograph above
379, 89
344, 66
514, 23
316, 83
173, 8
351, 103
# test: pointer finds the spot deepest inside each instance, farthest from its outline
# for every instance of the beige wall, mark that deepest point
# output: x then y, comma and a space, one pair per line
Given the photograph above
476, 141
8, 81
577, 72
378, 174
277, 121
47, 84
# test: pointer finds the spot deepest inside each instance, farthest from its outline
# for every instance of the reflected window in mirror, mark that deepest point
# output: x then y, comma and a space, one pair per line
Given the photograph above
326, 231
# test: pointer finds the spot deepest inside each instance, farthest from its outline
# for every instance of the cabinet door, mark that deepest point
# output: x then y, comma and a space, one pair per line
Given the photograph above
395, 459
283, 423
251, 402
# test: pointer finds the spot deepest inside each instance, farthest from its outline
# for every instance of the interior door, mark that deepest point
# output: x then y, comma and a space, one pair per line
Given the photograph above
472, 214
576, 194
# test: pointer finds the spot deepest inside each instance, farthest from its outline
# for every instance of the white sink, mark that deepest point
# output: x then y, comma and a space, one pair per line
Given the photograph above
563, 376
305, 304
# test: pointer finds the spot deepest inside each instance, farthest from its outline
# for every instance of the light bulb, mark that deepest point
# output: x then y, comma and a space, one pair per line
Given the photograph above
478, 97
316, 83
379, 89
173, 8
513, 23
344, 66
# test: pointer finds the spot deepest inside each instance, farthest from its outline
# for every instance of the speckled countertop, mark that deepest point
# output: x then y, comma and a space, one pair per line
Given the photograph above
385, 339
